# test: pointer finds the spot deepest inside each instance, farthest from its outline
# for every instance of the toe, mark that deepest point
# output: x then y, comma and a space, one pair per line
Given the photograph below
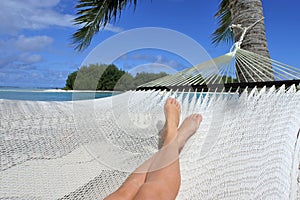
193, 116
169, 101
199, 118
176, 102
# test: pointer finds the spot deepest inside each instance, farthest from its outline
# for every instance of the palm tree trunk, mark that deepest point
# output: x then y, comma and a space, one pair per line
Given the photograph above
245, 13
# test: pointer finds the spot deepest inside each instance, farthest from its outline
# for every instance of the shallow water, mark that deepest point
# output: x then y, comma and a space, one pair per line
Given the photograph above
44, 95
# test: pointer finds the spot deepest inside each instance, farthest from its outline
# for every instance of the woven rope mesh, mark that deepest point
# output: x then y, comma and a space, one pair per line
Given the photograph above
246, 146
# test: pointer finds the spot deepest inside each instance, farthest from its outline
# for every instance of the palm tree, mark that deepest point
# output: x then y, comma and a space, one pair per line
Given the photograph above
245, 13
96, 14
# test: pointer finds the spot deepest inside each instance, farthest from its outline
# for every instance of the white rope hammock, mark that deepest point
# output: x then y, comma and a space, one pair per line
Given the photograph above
247, 146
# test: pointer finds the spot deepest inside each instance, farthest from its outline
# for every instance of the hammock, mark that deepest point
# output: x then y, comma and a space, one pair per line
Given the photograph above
247, 146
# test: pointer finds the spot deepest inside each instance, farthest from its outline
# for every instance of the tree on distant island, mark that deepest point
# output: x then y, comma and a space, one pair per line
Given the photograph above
107, 77
95, 15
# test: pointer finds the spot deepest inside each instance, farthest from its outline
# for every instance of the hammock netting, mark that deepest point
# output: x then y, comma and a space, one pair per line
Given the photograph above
247, 146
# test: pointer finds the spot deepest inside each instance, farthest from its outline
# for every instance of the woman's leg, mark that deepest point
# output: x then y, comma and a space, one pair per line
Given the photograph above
167, 155
130, 187
163, 179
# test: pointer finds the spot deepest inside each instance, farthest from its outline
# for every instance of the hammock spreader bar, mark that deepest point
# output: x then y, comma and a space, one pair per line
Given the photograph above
223, 87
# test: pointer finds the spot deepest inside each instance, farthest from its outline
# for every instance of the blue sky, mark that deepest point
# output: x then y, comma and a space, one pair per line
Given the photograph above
35, 48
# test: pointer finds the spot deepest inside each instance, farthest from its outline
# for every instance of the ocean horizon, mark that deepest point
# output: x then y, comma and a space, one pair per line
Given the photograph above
50, 94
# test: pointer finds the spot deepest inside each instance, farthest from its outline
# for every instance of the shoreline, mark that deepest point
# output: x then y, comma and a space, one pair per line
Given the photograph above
88, 91
60, 90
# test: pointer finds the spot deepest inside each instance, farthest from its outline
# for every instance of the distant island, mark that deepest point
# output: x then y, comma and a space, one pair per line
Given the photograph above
107, 77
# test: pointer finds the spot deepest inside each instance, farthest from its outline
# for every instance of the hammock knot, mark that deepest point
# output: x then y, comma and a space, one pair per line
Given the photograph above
244, 29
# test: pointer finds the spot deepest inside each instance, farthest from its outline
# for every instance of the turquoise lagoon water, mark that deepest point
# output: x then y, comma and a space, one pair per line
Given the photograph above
46, 95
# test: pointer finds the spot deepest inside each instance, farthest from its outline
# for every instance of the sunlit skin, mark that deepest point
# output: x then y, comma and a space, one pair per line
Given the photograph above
159, 177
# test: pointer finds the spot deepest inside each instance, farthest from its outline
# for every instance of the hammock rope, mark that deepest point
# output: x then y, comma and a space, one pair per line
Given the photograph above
223, 70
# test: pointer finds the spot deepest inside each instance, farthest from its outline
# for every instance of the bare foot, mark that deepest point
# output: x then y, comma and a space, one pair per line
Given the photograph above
188, 127
172, 114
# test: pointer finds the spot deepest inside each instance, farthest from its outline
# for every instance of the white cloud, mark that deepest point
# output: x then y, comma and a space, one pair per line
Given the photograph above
34, 75
17, 15
150, 58
141, 56
152, 68
30, 58
43, 3
35, 43
21, 54
159, 59
50, 18
112, 28
31, 14
6, 60
23, 50
20, 15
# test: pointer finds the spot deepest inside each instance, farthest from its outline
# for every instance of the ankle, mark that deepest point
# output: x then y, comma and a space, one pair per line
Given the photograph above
170, 135
171, 126
181, 143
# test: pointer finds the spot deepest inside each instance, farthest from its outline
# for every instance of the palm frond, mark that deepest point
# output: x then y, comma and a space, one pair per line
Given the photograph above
223, 33
94, 15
